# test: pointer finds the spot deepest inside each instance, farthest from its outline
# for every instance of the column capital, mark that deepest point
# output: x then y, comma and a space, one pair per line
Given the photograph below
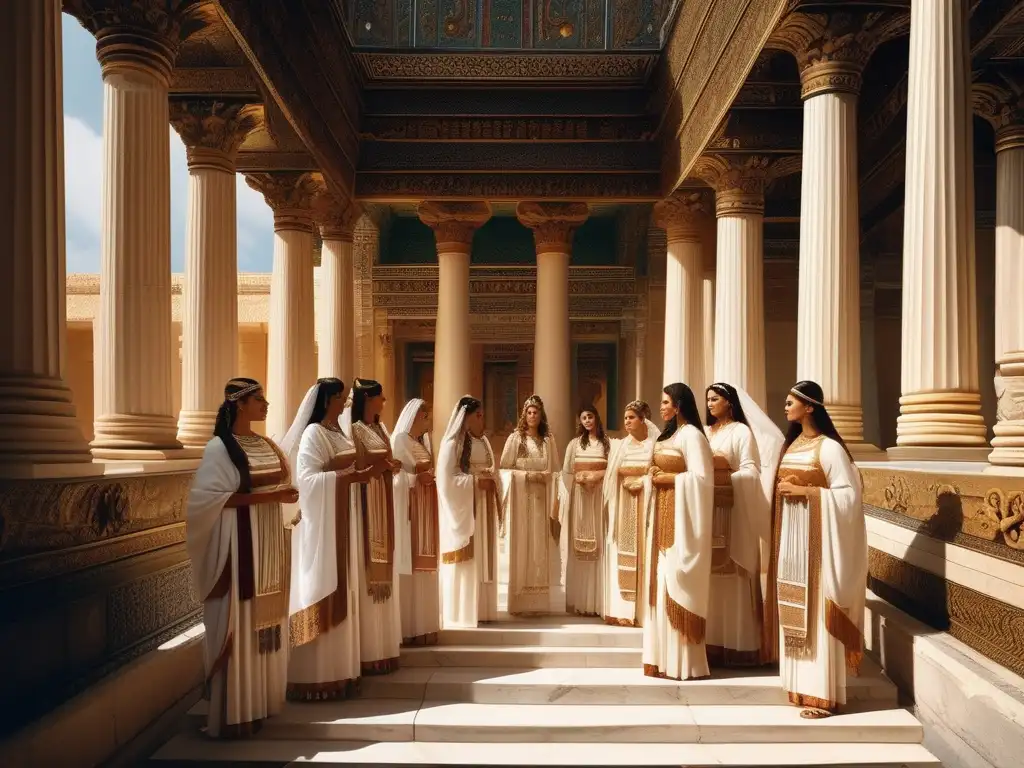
832, 49
212, 130
454, 223
683, 215
290, 195
739, 181
553, 224
140, 34
1002, 105
335, 216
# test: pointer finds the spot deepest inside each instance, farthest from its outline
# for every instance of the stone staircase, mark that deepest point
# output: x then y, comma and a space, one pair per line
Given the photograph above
560, 692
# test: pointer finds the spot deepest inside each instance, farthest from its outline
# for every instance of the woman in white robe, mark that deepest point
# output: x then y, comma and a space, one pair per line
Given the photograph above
626, 490
746, 447
679, 543
324, 624
819, 565
530, 470
581, 504
468, 499
237, 542
416, 532
372, 500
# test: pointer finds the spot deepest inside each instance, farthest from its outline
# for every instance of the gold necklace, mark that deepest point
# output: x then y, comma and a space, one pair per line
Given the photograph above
330, 427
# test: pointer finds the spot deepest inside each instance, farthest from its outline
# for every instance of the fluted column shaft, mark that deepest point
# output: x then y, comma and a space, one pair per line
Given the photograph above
708, 327
37, 417
828, 309
134, 393
940, 403
639, 363
337, 316
1008, 440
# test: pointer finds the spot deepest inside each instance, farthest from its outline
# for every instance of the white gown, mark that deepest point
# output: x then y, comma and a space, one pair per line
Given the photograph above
582, 508
734, 619
324, 660
679, 558
821, 548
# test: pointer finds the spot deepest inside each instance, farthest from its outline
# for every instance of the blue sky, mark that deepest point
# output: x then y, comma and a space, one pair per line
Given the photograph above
83, 170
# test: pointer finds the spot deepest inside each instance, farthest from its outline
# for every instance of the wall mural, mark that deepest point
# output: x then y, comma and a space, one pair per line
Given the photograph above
550, 25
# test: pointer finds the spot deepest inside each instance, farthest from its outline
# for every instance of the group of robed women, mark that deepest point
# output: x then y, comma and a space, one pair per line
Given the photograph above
317, 556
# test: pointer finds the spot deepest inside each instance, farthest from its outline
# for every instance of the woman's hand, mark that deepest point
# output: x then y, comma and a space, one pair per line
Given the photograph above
425, 478
581, 478
634, 485
283, 496
653, 471
536, 477
794, 491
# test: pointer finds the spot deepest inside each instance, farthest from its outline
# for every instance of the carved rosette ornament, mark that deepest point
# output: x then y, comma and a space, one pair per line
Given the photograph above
553, 224
683, 216
213, 130
290, 195
739, 181
454, 223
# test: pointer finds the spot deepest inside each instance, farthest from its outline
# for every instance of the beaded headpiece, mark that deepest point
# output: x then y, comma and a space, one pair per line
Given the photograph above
720, 388
246, 388
805, 398
533, 400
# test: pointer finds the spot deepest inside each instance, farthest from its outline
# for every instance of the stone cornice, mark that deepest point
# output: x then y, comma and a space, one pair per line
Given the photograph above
684, 216
454, 223
739, 181
507, 129
290, 195
413, 187
212, 130
553, 224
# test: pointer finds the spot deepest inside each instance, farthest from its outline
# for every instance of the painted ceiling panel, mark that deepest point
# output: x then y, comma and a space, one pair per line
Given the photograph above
513, 25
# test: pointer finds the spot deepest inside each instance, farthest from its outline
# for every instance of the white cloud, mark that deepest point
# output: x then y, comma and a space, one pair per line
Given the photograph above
255, 229
83, 178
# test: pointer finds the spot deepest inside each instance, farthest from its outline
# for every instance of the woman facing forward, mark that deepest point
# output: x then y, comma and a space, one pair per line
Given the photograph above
626, 490
416, 525
818, 570
530, 462
235, 535
582, 505
746, 446
324, 660
679, 542
380, 623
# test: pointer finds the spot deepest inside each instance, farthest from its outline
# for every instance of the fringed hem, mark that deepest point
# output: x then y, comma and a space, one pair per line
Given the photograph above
239, 730
689, 625
332, 691
813, 702
269, 640
380, 592
460, 555
430, 638
842, 628
613, 621
379, 667
576, 612
720, 656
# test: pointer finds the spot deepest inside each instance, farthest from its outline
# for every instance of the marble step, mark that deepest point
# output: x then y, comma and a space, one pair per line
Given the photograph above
604, 686
197, 751
561, 634
521, 656
410, 720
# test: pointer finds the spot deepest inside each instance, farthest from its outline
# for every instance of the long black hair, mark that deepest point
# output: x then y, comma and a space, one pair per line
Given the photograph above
584, 435
325, 389
236, 391
810, 393
363, 390
472, 405
728, 391
682, 398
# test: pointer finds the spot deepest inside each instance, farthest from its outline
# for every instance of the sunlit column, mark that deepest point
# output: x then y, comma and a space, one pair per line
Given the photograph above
336, 318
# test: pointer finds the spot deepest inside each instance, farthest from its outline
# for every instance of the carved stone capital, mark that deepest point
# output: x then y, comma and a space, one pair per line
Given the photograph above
141, 34
335, 216
739, 181
213, 130
290, 195
454, 223
1002, 105
832, 49
553, 224
682, 216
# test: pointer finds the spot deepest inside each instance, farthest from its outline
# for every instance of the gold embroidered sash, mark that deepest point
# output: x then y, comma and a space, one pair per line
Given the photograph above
378, 507
721, 520
664, 522
585, 522
629, 535
423, 515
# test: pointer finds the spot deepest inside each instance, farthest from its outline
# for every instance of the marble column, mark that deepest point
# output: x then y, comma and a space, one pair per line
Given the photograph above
639, 361
454, 225
135, 416
681, 216
553, 225
708, 327
1008, 442
37, 416
828, 308
336, 318
940, 405
212, 132
291, 368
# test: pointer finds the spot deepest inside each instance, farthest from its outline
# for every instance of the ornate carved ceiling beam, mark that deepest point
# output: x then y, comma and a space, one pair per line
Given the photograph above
507, 129
215, 81
506, 103
598, 187
713, 46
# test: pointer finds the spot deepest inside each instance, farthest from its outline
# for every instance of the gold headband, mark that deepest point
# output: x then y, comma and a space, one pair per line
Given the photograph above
248, 389
802, 396
533, 400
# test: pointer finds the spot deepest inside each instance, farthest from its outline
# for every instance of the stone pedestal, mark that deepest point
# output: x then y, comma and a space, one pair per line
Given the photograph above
37, 417
453, 225
940, 405
336, 332
291, 368
212, 132
553, 225
681, 216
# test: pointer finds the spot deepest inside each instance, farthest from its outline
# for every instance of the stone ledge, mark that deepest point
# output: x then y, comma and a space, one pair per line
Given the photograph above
90, 728
971, 707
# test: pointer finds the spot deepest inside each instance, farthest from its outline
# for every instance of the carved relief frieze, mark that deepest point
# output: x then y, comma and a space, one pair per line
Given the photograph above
392, 187
614, 156
507, 129
455, 105
238, 82
767, 95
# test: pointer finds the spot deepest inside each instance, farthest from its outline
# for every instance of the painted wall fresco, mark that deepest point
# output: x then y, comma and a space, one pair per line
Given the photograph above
495, 25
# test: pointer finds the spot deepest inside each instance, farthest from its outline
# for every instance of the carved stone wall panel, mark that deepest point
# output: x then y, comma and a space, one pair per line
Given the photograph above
606, 187
615, 156
507, 129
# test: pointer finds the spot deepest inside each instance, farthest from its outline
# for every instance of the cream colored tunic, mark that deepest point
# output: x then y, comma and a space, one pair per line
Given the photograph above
419, 597
582, 511
625, 593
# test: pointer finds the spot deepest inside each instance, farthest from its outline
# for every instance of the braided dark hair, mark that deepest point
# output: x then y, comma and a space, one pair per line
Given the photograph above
224, 426
683, 399
584, 435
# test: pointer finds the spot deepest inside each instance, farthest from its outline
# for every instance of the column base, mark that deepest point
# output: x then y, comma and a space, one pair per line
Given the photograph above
48, 471
136, 437
38, 425
866, 451
1008, 444
849, 422
937, 453
941, 420
146, 454
195, 428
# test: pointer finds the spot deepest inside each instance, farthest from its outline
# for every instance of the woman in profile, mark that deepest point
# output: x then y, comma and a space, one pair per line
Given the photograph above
679, 542
817, 575
236, 540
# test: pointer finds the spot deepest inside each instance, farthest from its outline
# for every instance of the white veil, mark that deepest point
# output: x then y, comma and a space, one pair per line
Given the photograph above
405, 422
769, 439
345, 422
402, 484
289, 442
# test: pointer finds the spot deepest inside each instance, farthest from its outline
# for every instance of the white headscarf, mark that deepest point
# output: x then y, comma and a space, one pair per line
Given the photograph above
406, 420
769, 439
289, 442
